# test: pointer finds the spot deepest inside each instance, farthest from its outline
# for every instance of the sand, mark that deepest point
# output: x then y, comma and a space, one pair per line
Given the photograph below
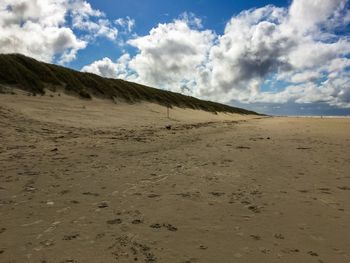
93, 181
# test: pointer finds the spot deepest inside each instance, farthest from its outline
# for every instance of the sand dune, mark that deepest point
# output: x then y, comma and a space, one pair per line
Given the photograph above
91, 181
68, 110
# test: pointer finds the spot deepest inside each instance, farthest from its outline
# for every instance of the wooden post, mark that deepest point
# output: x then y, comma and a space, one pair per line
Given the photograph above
167, 111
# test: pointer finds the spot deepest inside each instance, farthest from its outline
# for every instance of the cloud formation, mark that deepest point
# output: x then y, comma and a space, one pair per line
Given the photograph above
298, 54
51, 29
171, 53
107, 68
168, 57
126, 23
296, 51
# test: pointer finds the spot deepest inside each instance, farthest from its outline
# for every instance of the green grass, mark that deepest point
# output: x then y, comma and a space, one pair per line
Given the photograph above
33, 76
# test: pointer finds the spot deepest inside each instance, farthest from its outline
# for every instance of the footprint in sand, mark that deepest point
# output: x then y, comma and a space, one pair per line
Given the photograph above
243, 147
70, 237
156, 226
289, 250
91, 194
102, 205
170, 227
116, 221
167, 226
153, 195
217, 194
264, 250
136, 221
312, 253
63, 192
255, 209
279, 236
255, 237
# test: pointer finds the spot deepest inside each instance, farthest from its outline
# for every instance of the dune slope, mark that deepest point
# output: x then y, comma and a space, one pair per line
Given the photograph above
18, 71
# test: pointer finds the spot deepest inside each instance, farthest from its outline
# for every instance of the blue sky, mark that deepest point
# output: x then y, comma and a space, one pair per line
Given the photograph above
150, 13
276, 57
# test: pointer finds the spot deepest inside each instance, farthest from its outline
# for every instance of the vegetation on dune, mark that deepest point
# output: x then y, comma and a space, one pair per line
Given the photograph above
33, 76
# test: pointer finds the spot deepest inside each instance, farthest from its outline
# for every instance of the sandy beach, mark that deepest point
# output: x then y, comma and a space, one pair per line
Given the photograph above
94, 181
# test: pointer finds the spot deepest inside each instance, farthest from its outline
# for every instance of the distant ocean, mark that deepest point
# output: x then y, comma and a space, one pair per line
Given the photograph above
315, 116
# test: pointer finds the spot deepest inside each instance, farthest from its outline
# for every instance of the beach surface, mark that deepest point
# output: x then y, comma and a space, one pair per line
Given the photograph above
94, 181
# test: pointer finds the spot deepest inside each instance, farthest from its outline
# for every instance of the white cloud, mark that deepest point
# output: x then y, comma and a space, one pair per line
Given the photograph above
334, 92
85, 18
171, 54
307, 76
295, 50
168, 57
191, 20
309, 53
107, 68
270, 41
308, 15
251, 47
41, 28
127, 23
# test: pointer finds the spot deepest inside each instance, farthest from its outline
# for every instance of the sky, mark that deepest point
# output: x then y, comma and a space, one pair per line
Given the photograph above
276, 57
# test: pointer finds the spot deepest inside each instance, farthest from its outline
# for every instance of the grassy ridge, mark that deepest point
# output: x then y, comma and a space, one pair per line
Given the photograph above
34, 76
